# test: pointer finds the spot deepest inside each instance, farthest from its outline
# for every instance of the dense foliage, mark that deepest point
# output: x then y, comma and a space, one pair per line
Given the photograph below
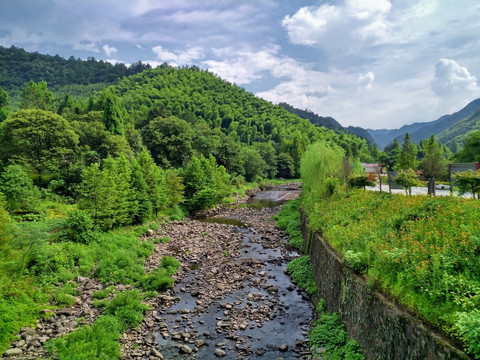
18, 67
81, 161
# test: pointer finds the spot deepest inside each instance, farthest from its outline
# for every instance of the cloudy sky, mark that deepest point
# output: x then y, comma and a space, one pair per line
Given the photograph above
369, 63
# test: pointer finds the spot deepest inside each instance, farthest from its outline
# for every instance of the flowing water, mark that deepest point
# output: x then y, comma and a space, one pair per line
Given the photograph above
282, 335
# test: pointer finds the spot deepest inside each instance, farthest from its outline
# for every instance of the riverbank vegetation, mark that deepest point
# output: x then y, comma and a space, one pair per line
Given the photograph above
422, 250
327, 336
91, 160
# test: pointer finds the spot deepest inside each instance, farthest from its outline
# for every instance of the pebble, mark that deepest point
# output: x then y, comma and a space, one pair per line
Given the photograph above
220, 353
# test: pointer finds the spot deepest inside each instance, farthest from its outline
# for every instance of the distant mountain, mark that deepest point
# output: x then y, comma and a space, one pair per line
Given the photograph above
443, 123
421, 131
457, 133
383, 137
361, 132
328, 122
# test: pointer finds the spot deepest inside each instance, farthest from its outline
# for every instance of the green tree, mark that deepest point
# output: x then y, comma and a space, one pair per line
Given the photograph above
360, 181
140, 188
174, 186
3, 104
114, 113
407, 178
4, 221
39, 139
267, 153
125, 203
471, 149
285, 166
93, 190
468, 181
408, 155
205, 182
169, 140
391, 155
320, 168
155, 179
433, 164
37, 96
21, 195
253, 164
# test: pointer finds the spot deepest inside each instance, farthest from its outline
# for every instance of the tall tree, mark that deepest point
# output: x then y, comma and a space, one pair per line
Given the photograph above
433, 164
114, 113
391, 155
471, 149
140, 191
37, 96
21, 195
3, 104
155, 179
408, 155
39, 139
169, 140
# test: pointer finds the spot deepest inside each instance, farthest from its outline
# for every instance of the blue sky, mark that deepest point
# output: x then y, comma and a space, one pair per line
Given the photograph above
370, 63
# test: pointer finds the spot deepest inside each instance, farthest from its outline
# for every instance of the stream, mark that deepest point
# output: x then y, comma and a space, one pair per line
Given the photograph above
234, 301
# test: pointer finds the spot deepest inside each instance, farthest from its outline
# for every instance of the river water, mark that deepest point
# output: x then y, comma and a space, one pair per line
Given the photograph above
266, 317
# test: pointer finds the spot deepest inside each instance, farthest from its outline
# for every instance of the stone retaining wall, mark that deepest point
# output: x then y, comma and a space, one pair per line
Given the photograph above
383, 329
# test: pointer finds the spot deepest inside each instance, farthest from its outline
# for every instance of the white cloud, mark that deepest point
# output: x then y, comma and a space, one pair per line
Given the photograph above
451, 79
365, 81
186, 57
109, 50
340, 26
86, 46
453, 85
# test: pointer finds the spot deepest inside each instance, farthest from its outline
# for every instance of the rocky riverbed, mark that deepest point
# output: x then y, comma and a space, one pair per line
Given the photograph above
231, 299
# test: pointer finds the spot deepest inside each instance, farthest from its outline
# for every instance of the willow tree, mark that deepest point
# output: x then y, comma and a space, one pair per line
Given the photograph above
320, 169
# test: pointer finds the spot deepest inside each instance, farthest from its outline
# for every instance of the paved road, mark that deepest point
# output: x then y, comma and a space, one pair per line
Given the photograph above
417, 191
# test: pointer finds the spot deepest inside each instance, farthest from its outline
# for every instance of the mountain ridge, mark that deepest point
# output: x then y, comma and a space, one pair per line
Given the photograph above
421, 131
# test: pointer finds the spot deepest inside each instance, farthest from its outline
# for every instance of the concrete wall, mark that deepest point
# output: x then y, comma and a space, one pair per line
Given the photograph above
383, 329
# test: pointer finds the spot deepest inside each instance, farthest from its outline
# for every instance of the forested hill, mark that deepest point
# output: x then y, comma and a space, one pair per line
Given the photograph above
328, 122
17, 67
215, 108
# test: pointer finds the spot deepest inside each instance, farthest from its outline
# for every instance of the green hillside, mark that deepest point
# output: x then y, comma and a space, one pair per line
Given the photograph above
456, 134
18, 67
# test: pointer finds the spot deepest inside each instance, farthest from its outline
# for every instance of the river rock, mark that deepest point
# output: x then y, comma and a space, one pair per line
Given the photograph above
13, 352
185, 349
283, 347
219, 353
156, 353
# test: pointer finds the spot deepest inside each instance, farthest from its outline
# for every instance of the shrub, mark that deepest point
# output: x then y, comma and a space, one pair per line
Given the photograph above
328, 333
128, 308
79, 227
301, 271
98, 341
157, 280
289, 220
170, 264
102, 294
468, 325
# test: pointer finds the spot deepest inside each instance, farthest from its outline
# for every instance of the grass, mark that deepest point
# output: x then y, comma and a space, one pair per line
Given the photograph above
38, 268
289, 220
300, 269
100, 340
424, 251
328, 334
